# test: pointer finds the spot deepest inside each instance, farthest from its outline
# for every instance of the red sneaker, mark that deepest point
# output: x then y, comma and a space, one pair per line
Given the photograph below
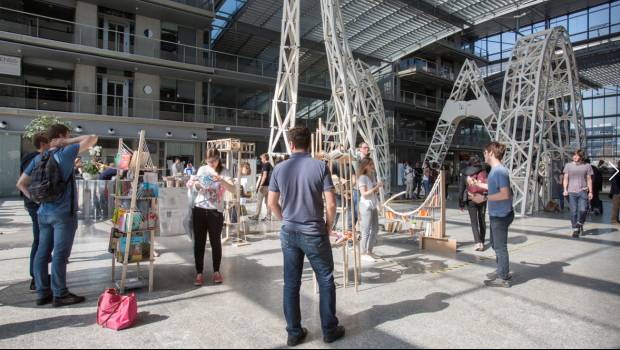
217, 278
200, 280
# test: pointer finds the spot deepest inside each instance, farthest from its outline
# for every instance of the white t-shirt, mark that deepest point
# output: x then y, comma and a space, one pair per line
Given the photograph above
409, 174
213, 196
370, 201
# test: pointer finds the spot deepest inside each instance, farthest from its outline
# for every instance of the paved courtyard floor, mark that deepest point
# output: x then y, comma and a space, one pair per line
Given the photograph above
566, 293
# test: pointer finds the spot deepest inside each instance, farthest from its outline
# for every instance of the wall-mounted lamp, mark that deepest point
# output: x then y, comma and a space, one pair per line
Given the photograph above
79, 129
168, 134
4, 125
111, 131
194, 136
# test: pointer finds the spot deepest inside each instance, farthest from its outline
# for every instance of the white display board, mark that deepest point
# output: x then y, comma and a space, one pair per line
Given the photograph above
10, 65
174, 212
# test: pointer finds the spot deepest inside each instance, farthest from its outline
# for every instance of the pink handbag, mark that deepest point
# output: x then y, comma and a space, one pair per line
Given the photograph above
115, 311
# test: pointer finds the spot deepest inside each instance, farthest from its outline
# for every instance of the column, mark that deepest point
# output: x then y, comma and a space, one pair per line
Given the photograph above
85, 82
146, 90
86, 30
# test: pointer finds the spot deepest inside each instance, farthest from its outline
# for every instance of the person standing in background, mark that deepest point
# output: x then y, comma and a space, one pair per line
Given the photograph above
262, 188
579, 190
41, 143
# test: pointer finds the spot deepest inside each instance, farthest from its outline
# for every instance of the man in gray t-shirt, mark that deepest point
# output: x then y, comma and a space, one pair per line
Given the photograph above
302, 182
578, 189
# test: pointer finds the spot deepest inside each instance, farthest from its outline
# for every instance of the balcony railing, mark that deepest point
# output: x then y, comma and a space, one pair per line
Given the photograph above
24, 23
64, 100
425, 137
422, 101
419, 64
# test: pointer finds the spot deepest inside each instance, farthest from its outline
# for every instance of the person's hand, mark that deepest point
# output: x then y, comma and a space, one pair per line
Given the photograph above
380, 184
565, 193
590, 196
216, 178
471, 182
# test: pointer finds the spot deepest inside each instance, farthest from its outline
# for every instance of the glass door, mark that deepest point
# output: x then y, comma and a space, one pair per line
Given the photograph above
115, 97
116, 36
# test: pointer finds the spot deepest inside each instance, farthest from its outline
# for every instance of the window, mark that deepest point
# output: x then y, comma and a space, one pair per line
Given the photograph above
615, 17
587, 108
494, 46
537, 27
558, 22
599, 21
610, 105
578, 26
598, 107
527, 30
508, 42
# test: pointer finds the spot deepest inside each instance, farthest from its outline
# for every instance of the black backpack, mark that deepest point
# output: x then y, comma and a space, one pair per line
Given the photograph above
47, 183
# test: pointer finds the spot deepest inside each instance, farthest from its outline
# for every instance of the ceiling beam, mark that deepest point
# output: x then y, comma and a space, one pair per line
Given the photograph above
438, 13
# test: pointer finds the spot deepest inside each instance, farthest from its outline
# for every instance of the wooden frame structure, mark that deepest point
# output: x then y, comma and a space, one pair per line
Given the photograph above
344, 189
234, 150
429, 219
140, 161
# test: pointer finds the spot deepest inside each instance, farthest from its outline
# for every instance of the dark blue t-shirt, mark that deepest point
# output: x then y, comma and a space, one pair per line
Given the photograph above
499, 178
65, 158
301, 182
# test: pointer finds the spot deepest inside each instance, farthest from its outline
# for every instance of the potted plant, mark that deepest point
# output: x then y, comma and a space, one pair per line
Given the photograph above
90, 171
42, 123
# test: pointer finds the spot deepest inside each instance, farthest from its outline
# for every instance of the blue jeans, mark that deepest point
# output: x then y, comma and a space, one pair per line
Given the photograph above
427, 187
296, 245
578, 208
32, 211
56, 234
499, 241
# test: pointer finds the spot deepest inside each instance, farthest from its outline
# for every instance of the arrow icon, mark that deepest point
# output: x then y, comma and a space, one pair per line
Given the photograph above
616, 169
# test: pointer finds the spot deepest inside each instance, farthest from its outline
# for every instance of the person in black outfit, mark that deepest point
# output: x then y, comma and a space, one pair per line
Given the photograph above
419, 173
597, 186
41, 143
614, 195
262, 188
477, 211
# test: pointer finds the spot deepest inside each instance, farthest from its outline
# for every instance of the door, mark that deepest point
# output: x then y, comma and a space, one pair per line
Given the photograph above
116, 36
115, 97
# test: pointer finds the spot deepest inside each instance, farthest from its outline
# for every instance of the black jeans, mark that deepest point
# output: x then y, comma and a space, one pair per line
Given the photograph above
499, 234
32, 211
295, 246
477, 213
211, 222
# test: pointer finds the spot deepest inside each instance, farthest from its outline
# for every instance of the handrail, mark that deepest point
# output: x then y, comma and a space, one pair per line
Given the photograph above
73, 98
185, 53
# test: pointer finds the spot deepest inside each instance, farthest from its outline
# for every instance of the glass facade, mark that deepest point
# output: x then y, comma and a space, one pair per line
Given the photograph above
600, 106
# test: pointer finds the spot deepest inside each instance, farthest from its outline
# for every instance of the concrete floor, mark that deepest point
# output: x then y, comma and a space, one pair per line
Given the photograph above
566, 293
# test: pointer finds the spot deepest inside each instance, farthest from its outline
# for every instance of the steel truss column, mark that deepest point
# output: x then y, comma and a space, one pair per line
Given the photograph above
284, 105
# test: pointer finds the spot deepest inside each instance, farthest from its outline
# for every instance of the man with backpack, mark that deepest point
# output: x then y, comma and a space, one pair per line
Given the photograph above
41, 144
49, 180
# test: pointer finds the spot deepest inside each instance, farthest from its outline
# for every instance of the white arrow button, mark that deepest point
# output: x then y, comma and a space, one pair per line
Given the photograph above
616, 169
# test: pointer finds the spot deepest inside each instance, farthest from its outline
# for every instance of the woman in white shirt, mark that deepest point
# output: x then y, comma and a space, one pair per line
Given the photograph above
213, 180
368, 207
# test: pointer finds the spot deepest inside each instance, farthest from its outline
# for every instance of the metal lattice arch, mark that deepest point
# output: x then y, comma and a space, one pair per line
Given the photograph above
356, 106
541, 116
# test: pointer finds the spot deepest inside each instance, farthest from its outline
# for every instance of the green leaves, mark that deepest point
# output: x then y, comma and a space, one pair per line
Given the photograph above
42, 123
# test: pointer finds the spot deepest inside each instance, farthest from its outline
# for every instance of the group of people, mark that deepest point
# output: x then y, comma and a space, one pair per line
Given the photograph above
54, 220
418, 178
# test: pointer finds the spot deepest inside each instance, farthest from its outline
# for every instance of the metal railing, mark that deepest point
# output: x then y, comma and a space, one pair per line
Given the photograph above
64, 100
425, 137
201, 4
25, 23
423, 101
419, 64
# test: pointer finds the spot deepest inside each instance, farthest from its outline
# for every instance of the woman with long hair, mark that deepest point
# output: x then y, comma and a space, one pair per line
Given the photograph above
212, 182
368, 207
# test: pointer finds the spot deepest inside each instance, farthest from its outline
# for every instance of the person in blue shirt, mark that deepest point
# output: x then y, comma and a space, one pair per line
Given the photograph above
189, 169
501, 214
301, 182
57, 220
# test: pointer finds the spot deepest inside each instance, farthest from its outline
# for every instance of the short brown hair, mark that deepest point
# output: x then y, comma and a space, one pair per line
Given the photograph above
39, 139
496, 149
213, 153
581, 154
56, 131
300, 138
265, 156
